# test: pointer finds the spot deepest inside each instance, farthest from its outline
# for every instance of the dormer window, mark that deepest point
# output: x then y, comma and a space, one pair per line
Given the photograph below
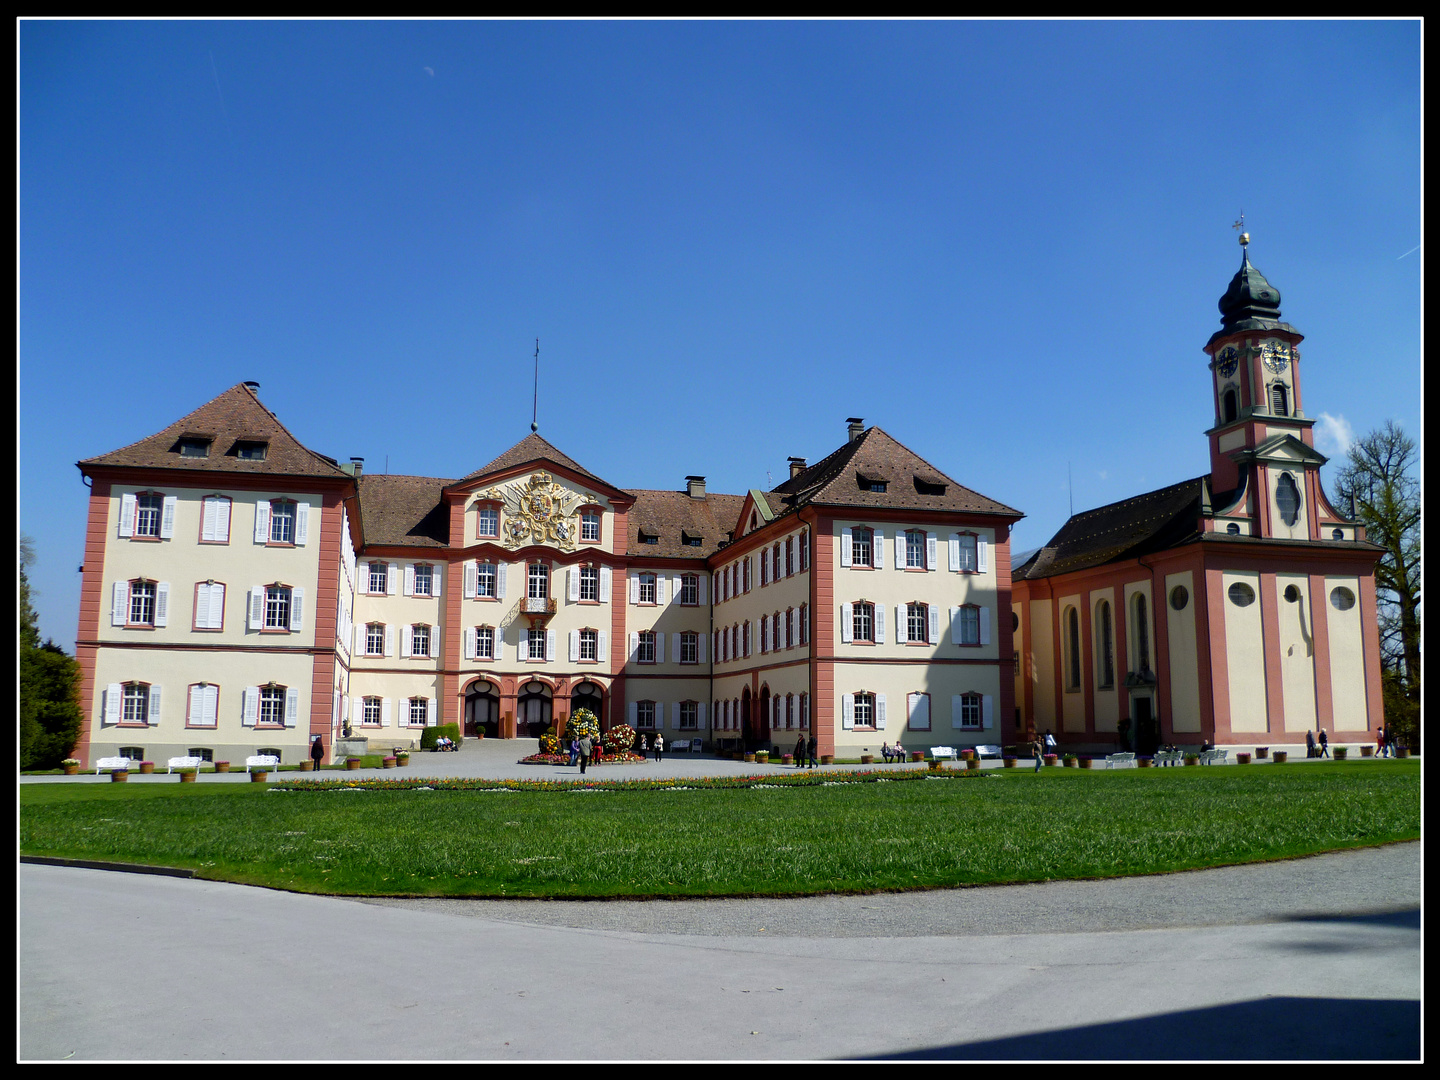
250, 449
194, 447
691, 540
649, 537
872, 483
928, 487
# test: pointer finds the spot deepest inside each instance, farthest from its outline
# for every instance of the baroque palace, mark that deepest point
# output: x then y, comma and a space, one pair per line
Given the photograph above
245, 594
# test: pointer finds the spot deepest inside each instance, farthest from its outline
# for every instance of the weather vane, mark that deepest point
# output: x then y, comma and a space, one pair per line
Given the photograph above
535, 403
1239, 226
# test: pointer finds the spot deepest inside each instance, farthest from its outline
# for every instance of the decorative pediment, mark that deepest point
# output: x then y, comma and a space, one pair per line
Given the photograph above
540, 511
1283, 449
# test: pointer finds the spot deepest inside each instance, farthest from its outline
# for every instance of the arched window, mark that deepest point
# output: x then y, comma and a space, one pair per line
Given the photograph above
1072, 649
1107, 644
1279, 400
1142, 635
1287, 498
1230, 407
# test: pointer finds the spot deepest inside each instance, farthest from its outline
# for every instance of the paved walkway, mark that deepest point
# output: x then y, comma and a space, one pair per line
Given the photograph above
1310, 959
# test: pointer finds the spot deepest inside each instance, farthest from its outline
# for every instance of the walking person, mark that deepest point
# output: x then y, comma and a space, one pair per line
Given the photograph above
659, 745
1309, 744
317, 752
642, 747
1038, 749
1324, 744
584, 747
800, 752
811, 751
1380, 741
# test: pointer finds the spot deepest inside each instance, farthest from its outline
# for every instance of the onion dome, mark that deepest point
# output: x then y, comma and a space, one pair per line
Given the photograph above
1251, 302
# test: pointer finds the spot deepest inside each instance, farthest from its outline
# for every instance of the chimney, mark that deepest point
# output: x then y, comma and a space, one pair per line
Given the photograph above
695, 487
253, 387
857, 427
797, 466
357, 466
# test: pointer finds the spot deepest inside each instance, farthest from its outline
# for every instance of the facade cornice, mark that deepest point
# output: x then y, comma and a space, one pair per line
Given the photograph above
200, 480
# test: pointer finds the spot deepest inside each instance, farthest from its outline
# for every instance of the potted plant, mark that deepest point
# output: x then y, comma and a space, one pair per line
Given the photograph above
1261, 753
1051, 759
762, 757
147, 766
402, 757
827, 759
1071, 761
352, 763
917, 755
71, 766
966, 755
1144, 762
1367, 751
787, 759
1192, 759
259, 776
1009, 762
1341, 753
187, 776
934, 764
119, 776
1279, 756
867, 759
1086, 762
307, 765
1402, 751
1242, 758
972, 762
749, 757
388, 762
222, 766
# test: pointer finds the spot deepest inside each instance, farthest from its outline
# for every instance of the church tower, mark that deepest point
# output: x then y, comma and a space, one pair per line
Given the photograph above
1264, 469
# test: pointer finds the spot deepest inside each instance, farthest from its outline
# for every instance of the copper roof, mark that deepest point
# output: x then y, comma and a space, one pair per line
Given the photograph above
406, 510
671, 515
235, 416
532, 448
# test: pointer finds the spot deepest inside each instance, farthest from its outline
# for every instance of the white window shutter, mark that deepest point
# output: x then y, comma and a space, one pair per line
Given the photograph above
297, 609
212, 705
262, 521
934, 638
987, 713
573, 578
359, 648
167, 518
357, 712
675, 648
880, 712
956, 711
899, 549
292, 706
257, 608
675, 587
954, 626
984, 626
550, 645
675, 717
932, 552
606, 584
659, 647
250, 707
877, 550
389, 641
700, 647
472, 576
127, 515
392, 576
634, 588
110, 714
982, 555
954, 552
805, 623
602, 646
208, 507
634, 648
469, 643
704, 590
222, 521
574, 646
437, 580
154, 717
385, 712
120, 604
700, 715
302, 523
405, 641
764, 633
632, 711
902, 625
195, 709
847, 711
202, 606
432, 715
879, 624
162, 603
659, 588
409, 579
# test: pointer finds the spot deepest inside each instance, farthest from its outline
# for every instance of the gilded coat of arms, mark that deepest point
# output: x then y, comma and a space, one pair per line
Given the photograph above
539, 511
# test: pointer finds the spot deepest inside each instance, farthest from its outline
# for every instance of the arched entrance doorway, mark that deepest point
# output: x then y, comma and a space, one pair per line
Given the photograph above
746, 735
762, 721
533, 710
589, 695
482, 710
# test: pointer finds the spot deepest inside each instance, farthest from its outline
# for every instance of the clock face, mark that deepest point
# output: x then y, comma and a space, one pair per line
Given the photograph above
1229, 360
1276, 355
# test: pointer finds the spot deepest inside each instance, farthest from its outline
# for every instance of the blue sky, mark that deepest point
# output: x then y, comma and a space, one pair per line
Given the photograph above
1003, 242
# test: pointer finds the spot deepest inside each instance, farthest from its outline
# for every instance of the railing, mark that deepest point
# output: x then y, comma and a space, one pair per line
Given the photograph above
538, 605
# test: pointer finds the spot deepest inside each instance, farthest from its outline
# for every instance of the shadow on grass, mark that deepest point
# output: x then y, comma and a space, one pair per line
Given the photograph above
1266, 1029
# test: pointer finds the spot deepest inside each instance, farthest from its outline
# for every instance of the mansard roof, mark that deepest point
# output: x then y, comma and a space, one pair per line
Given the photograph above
671, 516
533, 448
404, 510
236, 416
911, 482
1127, 529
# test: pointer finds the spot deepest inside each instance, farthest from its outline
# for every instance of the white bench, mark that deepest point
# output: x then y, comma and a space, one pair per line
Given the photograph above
1215, 757
1120, 761
679, 746
938, 752
113, 763
263, 762
1168, 757
987, 751
185, 763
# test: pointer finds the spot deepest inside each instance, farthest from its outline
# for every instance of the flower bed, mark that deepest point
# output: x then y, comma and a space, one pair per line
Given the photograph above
564, 759
796, 779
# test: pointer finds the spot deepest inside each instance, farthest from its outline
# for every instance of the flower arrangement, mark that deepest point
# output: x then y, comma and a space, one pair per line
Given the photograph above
70, 761
550, 743
619, 739
582, 722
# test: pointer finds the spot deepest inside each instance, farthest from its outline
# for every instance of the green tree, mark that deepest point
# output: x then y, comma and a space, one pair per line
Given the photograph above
49, 687
1378, 479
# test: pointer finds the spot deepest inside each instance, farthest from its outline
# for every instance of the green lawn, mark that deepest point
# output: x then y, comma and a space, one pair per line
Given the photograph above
1010, 826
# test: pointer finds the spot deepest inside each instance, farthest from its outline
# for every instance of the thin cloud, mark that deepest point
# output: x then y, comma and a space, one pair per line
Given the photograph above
430, 71
1333, 435
1412, 251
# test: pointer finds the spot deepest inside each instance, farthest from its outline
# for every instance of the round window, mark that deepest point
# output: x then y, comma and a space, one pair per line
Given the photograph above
1292, 594
1338, 534
1241, 595
1179, 597
1341, 598
1233, 529
1014, 621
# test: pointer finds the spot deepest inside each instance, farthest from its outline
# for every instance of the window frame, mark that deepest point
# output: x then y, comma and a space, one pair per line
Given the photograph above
416, 631
915, 544
855, 616
482, 508
641, 708
365, 711
229, 519
537, 577
138, 692
969, 544
378, 629
641, 585
429, 592
534, 635
1074, 676
689, 643
288, 601
479, 632
917, 610
867, 699
594, 643
1105, 654
642, 639
277, 517
190, 722
142, 512
856, 540
590, 574
971, 700
689, 590
418, 705
195, 606
965, 615
131, 623
480, 593
384, 577
275, 697
689, 716
592, 510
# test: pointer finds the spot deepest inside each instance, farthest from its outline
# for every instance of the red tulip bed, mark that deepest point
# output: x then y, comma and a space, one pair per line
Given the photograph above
564, 759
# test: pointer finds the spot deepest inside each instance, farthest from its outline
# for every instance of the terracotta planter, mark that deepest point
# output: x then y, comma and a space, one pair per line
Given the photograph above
1261, 753
787, 759
1402, 752
259, 776
388, 763
71, 770
1072, 763
827, 759
187, 777
308, 765
1086, 763
147, 766
351, 764
749, 757
119, 776
1280, 756
1144, 763
1341, 753
1367, 751
401, 760
222, 766
966, 755
934, 765
867, 759
762, 757
1191, 759
972, 762
1242, 758
1051, 759
1009, 762
917, 755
